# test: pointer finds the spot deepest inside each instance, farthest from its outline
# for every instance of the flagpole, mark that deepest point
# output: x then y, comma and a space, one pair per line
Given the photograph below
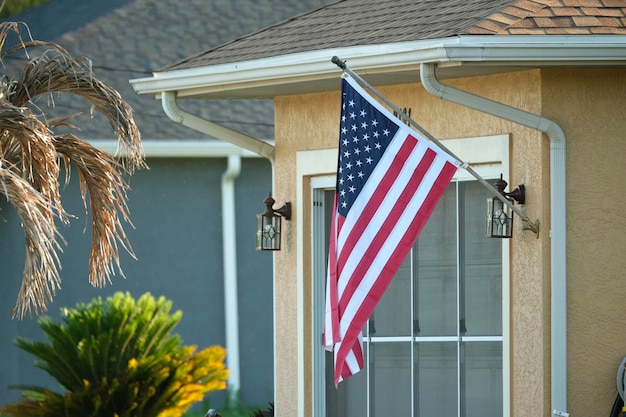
527, 224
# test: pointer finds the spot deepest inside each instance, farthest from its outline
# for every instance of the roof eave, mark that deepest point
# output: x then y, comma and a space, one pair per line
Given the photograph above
313, 71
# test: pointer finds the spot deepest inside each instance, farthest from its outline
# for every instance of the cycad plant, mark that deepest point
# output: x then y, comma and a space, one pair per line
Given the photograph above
118, 358
34, 151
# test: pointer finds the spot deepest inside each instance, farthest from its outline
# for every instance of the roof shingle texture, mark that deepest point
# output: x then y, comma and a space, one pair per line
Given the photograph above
368, 22
556, 17
127, 39
352, 23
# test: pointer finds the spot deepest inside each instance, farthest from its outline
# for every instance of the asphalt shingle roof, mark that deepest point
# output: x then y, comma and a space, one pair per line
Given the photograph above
368, 22
557, 17
127, 39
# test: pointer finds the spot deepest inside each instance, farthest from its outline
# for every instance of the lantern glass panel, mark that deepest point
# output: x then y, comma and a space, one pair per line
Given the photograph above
268, 232
499, 219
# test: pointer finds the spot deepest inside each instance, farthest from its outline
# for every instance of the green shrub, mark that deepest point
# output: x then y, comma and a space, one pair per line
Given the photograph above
117, 358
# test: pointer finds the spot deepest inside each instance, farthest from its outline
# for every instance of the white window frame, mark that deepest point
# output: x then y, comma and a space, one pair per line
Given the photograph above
316, 172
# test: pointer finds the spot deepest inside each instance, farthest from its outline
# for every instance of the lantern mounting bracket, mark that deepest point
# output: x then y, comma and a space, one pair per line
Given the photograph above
499, 217
518, 194
284, 211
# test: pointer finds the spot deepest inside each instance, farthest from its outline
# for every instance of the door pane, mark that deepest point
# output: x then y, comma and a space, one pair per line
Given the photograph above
391, 379
350, 397
481, 267
449, 285
436, 376
482, 379
392, 316
436, 272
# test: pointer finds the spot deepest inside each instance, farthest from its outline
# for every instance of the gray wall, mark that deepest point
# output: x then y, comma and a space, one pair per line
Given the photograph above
176, 209
178, 244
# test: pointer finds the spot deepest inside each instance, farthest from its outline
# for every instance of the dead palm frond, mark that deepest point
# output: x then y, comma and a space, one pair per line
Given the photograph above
41, 277
30, 158
102, 183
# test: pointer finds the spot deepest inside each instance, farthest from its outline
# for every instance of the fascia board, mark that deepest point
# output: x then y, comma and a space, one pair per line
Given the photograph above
178, 149
540, 50
273, 70
526, 50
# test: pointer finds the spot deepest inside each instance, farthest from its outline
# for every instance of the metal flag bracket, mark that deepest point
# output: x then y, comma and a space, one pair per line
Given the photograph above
527, 224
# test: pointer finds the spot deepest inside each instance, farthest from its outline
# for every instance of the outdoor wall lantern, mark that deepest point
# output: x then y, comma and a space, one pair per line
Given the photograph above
268, 224
499, 214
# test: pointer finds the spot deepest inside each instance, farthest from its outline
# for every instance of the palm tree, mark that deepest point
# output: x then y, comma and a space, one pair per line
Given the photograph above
32, 156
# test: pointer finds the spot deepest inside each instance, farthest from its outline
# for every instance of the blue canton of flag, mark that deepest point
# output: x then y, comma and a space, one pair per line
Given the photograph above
365, 134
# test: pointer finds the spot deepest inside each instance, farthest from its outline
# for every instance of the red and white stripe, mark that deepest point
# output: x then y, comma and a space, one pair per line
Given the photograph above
368, 246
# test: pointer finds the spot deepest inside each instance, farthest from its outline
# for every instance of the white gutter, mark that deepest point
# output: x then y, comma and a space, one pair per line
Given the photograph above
229, 247
278, 70
521, 50
174, 112
262, 148
187, 148
557, 217
229, 244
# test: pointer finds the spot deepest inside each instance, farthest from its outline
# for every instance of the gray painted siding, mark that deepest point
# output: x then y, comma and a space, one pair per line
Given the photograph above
178, 246
176, 210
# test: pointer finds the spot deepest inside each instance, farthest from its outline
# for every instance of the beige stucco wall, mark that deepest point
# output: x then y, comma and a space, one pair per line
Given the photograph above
595, 225
591, 104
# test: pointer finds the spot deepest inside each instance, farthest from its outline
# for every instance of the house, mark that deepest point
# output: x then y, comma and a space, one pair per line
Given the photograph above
530, 89
193, 212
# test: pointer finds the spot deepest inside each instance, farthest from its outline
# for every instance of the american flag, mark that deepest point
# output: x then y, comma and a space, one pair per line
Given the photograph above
389, 180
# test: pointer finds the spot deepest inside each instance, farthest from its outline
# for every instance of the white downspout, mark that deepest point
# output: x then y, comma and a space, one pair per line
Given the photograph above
558, 213
174, 112
231, 310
